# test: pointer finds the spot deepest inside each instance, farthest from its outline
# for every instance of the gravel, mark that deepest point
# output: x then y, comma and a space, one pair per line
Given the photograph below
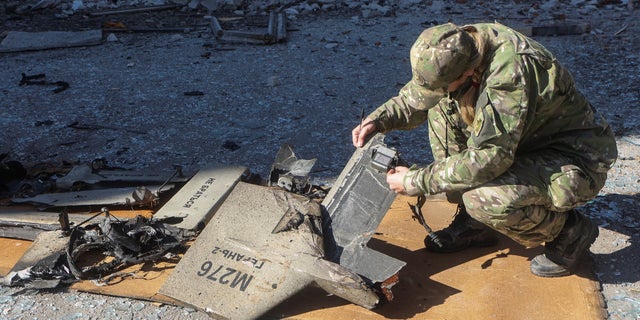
339, 57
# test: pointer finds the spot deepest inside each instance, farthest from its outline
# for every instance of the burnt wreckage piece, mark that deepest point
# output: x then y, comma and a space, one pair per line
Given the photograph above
120, 243
289, 172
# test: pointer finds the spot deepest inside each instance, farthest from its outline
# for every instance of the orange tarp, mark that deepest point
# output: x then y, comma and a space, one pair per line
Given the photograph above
478, 283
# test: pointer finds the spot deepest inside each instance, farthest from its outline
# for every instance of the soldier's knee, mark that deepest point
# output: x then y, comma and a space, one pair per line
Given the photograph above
490, 212
572, 187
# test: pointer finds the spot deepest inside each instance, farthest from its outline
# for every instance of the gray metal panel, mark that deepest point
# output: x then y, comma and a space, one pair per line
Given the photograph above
355, 206
138, 196
25, 41
199, 198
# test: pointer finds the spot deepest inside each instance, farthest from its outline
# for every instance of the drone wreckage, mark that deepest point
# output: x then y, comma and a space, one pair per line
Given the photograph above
240, 240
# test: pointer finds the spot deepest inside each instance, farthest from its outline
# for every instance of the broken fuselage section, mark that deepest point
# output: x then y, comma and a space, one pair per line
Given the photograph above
265, 244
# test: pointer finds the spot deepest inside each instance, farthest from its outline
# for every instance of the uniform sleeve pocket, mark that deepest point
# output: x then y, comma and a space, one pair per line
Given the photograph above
487, 125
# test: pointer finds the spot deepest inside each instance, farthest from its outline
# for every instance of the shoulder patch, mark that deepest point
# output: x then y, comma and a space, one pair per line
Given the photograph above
487, 125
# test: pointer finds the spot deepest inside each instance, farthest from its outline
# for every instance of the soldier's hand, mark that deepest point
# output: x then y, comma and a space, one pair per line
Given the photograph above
360, 133
395, 179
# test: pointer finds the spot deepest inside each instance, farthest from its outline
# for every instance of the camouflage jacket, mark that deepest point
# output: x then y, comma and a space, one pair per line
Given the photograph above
527, 103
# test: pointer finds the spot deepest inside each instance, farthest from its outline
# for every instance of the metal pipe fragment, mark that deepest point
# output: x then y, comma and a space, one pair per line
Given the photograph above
216, 28
281, 32
271, 28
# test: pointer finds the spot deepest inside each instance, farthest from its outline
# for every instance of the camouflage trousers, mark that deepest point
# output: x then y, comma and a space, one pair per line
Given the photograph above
528, 202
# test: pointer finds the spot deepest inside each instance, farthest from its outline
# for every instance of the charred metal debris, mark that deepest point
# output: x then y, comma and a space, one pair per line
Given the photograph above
112, 243
40, 79
123, 243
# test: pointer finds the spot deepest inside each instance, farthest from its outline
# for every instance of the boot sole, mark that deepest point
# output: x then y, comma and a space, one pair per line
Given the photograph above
473, 243
542, 266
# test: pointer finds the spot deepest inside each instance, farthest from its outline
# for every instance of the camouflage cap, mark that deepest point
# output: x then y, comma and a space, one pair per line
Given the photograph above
438, 57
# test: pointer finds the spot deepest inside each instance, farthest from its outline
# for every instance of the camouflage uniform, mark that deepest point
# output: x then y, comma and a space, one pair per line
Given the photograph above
535, 149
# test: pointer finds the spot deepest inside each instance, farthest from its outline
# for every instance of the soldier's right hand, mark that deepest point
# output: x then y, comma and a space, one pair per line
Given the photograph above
360, 133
